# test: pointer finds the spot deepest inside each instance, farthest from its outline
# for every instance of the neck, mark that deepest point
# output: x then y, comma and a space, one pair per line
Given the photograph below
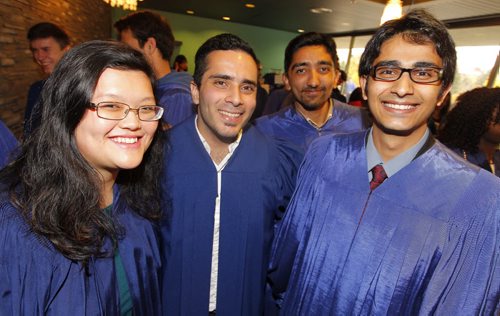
107, 188
318, 116
391, 145
488, 148
161, 67
219, 148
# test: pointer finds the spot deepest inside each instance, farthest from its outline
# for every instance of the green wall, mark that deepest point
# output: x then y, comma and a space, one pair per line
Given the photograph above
192, 31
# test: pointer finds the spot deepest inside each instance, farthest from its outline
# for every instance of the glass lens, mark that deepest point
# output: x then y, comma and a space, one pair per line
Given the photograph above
425, 74
112, 110
150, 112
387, 73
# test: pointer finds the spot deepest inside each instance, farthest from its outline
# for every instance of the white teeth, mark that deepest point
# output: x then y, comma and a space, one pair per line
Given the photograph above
398, 106
230, 114
126, 140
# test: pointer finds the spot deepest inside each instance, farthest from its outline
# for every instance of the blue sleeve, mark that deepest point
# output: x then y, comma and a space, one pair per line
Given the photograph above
467, 278
295, 222
178, 106
8, 143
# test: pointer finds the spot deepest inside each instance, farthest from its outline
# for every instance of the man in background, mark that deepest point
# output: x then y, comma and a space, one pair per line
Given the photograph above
48, 43
150, 34
312, 70
180, 63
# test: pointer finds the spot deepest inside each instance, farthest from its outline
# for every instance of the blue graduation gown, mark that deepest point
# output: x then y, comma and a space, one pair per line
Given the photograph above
290, 125
426, 241
35, 279
7, 144
174, 95
257, 183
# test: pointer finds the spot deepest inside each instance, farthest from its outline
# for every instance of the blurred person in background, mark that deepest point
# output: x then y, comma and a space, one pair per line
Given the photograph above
472, 128
48, 43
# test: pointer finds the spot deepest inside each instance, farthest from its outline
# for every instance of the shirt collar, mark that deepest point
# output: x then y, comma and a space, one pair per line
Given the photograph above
231, 147
330, 115
397, 163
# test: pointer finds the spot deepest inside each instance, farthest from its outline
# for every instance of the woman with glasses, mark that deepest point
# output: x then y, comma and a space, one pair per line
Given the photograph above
79, 206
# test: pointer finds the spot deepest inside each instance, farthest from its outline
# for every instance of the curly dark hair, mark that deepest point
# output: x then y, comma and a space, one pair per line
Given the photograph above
54, 187
467, 122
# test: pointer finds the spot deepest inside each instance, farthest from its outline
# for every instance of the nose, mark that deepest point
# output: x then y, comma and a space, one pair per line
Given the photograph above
403, 86
234, 96
313, 78
131, 121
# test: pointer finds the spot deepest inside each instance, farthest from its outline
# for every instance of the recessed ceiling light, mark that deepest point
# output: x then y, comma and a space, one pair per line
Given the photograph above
250, 5
189, 11
321, 10
300, 30
226, 18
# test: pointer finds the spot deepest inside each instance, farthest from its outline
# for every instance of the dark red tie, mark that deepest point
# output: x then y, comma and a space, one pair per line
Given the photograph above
379, 176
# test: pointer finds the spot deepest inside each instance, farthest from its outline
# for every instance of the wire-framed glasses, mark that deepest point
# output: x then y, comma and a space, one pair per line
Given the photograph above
417, 74
118, 111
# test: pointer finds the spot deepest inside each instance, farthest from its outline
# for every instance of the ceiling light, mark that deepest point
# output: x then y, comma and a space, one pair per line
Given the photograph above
393, 10
226, 18
321, 10
125, 4
189, 11
300, 30
250, 5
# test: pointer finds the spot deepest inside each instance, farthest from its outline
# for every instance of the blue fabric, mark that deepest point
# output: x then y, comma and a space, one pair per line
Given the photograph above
173, 93
290, 125
479, 159
33, 111
8, 143
35, 279
426, 241
257, 183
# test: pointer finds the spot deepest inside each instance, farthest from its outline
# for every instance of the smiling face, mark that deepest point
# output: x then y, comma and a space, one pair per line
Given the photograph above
110, 145
311, 77
226, 97
46, 53
402, 107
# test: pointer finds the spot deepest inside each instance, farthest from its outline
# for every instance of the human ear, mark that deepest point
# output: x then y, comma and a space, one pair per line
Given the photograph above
195, 93
363, 82
286, 82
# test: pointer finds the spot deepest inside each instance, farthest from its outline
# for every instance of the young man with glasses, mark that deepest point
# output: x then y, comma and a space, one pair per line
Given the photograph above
390, 221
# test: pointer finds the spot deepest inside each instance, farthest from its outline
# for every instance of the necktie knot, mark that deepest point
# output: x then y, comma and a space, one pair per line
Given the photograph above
379, 176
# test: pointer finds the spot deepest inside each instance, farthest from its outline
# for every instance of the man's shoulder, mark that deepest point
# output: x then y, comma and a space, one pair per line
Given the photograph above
174, 79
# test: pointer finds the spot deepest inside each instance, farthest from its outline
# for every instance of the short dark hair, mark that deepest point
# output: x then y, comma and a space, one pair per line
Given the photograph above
470, 119
46, 30
146, 24
311, 39
180, 59
417, 26
223, 41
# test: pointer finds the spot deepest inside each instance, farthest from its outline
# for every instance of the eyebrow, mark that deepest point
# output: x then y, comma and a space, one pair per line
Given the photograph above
227, 77
398, 64
302, 64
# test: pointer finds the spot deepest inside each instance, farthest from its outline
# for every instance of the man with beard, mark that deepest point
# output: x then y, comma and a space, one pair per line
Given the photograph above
226, 185
312, 70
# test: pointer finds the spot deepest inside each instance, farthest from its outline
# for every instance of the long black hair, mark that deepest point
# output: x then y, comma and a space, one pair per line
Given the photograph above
54, 187
469, 120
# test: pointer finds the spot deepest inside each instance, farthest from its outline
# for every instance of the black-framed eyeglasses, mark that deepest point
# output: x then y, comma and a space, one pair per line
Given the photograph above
417, 74
118, 111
